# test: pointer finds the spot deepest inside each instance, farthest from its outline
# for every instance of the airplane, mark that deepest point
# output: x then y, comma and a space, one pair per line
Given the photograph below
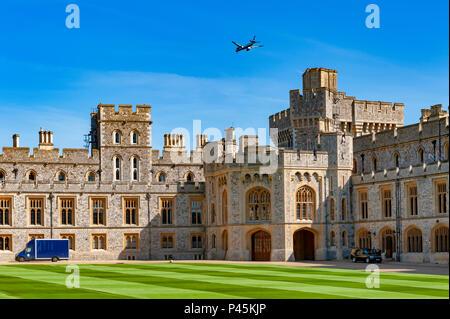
248, 46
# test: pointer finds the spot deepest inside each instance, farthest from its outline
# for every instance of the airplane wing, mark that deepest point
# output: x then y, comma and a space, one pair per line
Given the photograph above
237, 44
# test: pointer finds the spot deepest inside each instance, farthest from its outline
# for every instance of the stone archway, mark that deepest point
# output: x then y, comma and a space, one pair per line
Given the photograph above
304, 245
261, 246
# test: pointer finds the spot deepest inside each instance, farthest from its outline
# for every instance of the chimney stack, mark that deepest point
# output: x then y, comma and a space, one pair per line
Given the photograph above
15, 140
45, 139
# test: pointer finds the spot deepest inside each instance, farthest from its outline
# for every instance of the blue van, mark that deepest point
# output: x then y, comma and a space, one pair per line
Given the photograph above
45, 249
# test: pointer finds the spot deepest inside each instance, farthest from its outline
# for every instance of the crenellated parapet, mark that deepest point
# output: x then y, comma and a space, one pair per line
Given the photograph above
108, 112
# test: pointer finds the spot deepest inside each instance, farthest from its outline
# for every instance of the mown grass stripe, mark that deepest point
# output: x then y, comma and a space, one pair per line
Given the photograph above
358, 283
16, 287
261, 283
412, 276
237, 287
57, 275
350, 276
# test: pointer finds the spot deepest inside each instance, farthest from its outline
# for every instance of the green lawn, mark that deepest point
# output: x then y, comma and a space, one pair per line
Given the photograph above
192, 281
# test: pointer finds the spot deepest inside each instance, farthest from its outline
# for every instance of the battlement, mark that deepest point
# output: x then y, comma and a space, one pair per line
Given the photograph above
280, 120
69, 155
405, 134
108, 112
316, 78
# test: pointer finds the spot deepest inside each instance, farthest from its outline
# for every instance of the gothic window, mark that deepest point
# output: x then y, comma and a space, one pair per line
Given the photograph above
213, 241
224, 207
31, 176
35, 211
117, 168
386, 202
135, 168
167, 241
5, 211
2, 175
130, 210
344, 209
166, 211
66, 211
161, 177
374, 163
344, 239
440, 239
117, 137
412, 199
258, 204
213, 213
98, 211
305, 203
131, 241
90, 177
189, 177
134, 138
332, 239
420, 155
5, 242
396, 160
99, 241
196, 241
196, 211
364, 240
61, 176
332, 208
414, 240
441, 197
363, 204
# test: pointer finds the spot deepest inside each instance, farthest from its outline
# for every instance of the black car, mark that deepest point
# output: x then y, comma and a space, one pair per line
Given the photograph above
366, 255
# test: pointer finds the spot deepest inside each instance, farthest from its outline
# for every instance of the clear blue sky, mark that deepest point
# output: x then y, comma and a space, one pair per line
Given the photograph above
178, 57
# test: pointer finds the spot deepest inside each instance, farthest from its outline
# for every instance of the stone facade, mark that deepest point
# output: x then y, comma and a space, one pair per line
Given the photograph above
345, 173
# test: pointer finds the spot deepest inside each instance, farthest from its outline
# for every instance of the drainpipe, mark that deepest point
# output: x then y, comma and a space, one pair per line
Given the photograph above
50, 197
147, 197
398, 217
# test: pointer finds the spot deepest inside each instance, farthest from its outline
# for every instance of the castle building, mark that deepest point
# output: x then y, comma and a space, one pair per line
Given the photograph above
344, 173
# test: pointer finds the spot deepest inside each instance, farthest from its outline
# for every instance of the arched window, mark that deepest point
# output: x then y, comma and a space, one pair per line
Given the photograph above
420, 155
134, 168
213, 240
305, 203
258, 204
117, 168
344, 209
344, 239
161, 177
134, 138
61, 176
189, 177
332, 238
31, 175
414, 240
440, 239
374, 163
332, 209
364, 240
117, 137
213, 213
355, 166
224, 207
396, 160
2, 175
225, 240
91, 177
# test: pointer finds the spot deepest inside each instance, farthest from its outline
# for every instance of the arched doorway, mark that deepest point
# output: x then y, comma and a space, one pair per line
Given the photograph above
261, 246
304, 245
388, 242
